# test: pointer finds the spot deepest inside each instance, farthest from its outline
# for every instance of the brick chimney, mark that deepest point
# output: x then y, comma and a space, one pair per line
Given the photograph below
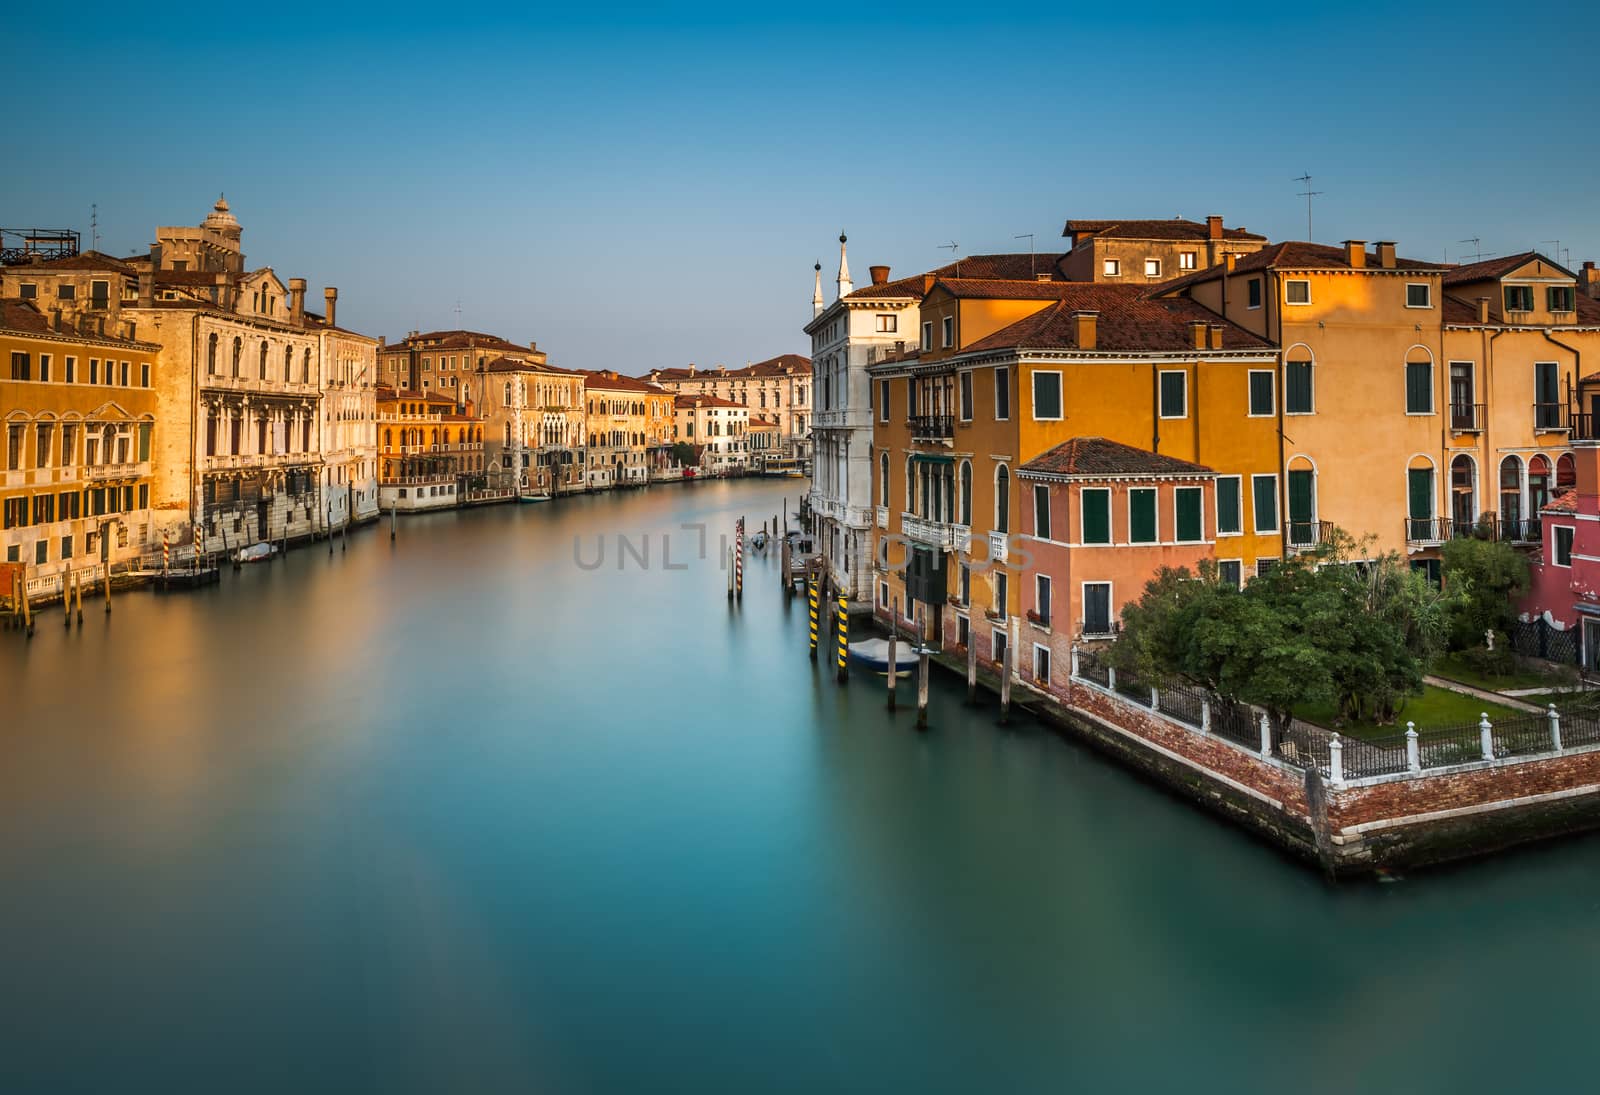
1385, 254
147, 288
880, 274
219, 291
1355, 253
1229, 259
297, 301
1483, 309
1084, 328
330, 301
1216, 336
1197, 333
1589, 279
1214, 227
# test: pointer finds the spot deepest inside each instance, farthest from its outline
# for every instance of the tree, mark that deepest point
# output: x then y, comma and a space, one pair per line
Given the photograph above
1484, 577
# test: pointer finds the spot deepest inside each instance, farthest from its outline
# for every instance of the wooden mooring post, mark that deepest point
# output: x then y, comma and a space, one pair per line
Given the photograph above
844, 639
972, 667
1006, 663
922, 671
894, 635
77, 585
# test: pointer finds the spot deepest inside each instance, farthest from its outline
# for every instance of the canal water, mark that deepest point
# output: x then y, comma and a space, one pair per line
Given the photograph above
460, 814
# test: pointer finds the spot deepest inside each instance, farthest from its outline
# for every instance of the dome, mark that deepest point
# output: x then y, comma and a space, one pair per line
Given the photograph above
219, 218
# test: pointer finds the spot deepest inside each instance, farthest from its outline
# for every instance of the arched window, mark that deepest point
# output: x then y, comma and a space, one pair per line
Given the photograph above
505, 396
263, 362
1002, 499
305, 366
1538, 482
1511, 498
883, 479
388, 439
1420, 524
211, 356
238, 357
507, 440
966, 493
288, 364
1302, 484
1463, 495
1566, 471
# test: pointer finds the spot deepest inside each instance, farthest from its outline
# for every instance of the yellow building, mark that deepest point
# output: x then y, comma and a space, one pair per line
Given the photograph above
629, 424
1009, 370
534, 424
78, 407
430, 451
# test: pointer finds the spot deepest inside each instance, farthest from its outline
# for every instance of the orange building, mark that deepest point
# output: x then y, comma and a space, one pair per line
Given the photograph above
430, 452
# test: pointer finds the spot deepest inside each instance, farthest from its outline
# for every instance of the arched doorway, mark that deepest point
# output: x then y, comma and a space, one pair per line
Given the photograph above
1463, 495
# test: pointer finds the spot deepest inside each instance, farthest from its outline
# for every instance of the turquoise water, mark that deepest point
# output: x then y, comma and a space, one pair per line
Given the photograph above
457, 814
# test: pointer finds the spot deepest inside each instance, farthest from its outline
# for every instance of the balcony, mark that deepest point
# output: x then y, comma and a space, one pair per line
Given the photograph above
932, 427
935, 534
1551, 418
1522, 530
1468, 417
1305, 535
883, 517
1585, 426
118, 471
998, 544
1513, 530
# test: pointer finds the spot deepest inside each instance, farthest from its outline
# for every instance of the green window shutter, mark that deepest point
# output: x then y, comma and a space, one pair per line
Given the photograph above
1096, 516
1264, 493
1297, 393
1173, 392
1419, 388
1142, 515
1300, 496
144, 441
1190, 526
1228, 506
1419, 482
1261, 393
1041, 511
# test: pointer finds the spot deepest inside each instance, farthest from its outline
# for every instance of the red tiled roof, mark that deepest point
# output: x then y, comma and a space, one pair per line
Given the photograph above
93, 261
997, 289
1174, 229
602, 380
782, 365
1462, 313
1129, 321
1564, 501
971, 268
383, 393
702, 400
1489, 269
456, 340
1096, 457
513, 365
23, 317
1293, 255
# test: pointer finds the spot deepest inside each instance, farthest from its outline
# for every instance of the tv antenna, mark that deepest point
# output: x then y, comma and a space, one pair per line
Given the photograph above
953, 247
1477, 248
1032, 273
94, 227
458, 312
1559, 251
1307, 194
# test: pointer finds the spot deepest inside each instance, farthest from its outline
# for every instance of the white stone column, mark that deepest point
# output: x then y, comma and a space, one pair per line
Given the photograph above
1335, 760
1413, 755
1266, 735
1555, 728
1486, 735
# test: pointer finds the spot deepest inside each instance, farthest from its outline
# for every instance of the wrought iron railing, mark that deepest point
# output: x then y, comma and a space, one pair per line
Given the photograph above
937, 427
1468, 417
1551, 416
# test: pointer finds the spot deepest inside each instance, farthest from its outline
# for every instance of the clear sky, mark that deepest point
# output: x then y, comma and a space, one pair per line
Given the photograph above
637, 188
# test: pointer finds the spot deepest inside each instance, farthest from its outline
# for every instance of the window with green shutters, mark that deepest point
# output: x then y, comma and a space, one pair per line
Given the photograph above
1547, 412
1301, 505
1264, 494
1095, 503
1142, 515
1046, 395
1174, 395
1261, 400
144, 441
1041, 511
1297, 387
1191, 527
1229, 517
1419, 504
1419, 387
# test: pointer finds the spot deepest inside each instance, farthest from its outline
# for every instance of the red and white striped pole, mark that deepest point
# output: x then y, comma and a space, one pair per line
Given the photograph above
166, 553
738, 561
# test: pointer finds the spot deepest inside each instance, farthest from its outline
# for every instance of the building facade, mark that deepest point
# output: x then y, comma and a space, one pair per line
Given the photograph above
778, 388
629, 424
718, 429
430, 451
348, 417
534, 425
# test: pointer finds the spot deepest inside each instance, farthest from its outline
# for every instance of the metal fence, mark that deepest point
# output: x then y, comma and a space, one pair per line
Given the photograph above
1236, 722
1187, 705
1091, 668
1537, 639
1132, 688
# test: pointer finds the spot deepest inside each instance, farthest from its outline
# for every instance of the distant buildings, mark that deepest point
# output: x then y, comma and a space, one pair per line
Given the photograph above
630, 425
718, 429
778, 388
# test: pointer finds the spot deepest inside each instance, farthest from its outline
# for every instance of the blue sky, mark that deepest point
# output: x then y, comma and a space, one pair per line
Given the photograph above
649, 187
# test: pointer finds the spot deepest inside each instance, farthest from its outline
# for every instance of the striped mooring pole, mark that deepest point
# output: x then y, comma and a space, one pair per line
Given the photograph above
811, 597
738, 560
166, 554
844, 638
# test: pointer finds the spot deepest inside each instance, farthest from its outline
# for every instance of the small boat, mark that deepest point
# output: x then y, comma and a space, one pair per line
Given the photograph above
758, 542
533, 497
255, 553
875, 652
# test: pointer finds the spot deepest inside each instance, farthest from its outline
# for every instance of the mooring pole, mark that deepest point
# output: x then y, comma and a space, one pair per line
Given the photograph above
1005, 681
27, 609
922, 686
727, 565
394, 509
844, 638
77, 584
330, 528
784, 578
972, 667
811, 600
738, 560
894, 635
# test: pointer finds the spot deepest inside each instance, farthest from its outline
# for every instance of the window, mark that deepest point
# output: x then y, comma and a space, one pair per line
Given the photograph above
1230, 573
1002, 393
1190, 522
1264, 493
963, 631
966, 494
1419, 294
883, 401
1561, 550
966, 397
1095, 503
28, 291
1297, 397
99, 294
1002, 591
1041, 511
66, 547
41, 448
997, 642
66, 292
887, 324
964, 584
883, 479
1262, 398
1419, 504
44, 367
144, 374
1186, 260
1041, 593
1142, 515
1253, 292
14, 447
1229, 518
1547, 397
1002, 499
1097, 608
948, 331
21, 366
1041, 664
1152, 268
1519, 298
41, 551
1419, 388
1265, 564
1047, 396
1112, 268
1297, 291
71, 371
1560, 298
1174, 394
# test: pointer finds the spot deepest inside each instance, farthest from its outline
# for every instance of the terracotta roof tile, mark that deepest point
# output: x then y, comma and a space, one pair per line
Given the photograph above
701, 400
23, 317
1293, 255
1489, 269
601, 380
1129, 321
1097, 457
1564, 501
1174, 229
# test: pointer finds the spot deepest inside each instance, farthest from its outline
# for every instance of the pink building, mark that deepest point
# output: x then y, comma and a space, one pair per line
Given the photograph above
1565, 575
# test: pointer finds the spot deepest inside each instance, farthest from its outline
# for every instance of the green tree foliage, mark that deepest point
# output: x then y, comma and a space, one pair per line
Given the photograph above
685, 454
1484, 577
1317, 627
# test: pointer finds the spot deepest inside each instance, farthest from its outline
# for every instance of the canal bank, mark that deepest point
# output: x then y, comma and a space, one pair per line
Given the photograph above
459, 813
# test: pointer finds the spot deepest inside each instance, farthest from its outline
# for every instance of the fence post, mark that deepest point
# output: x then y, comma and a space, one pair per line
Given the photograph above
1486, 735
1555, 727
1074, 657
1266, 736
1413, 754
1335, 759
1111, 677
1155, 700
1205, 716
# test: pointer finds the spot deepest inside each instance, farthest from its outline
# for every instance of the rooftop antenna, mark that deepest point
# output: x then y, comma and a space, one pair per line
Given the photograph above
1477, 247
1032, 273
458, 313
1559, 251
94, 227
1307, 194
953, 247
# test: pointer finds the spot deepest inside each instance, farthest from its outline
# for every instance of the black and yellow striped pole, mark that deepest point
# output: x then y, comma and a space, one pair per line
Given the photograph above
844, 639
811, 597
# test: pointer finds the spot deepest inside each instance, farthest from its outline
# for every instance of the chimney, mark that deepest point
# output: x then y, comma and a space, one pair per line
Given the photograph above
927, 283
1483, 309
130, 330
330, 300
880, 274
1589, 279
1229, 259
297, 301
1355, 253
147, 288
1197, 333
1385, 254
1216, 336
55, 319
155, 256
219, 290
1084, 323
1214, 227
